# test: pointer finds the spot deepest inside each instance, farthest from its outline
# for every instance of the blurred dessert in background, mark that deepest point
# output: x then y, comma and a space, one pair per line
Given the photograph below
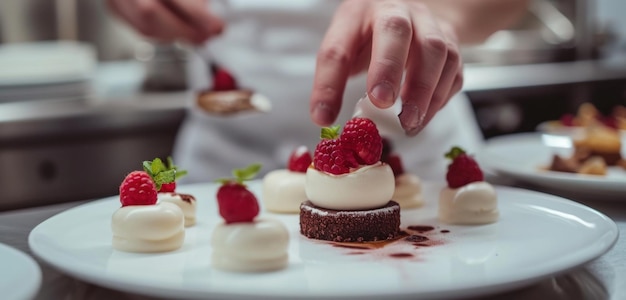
587, 115
598, 149
227, 98
408, 188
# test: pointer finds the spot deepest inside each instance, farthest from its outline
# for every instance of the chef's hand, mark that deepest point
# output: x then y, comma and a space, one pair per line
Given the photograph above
388, 38
169, 20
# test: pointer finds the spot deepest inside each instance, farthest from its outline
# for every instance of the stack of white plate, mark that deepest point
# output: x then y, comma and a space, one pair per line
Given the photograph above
46, 70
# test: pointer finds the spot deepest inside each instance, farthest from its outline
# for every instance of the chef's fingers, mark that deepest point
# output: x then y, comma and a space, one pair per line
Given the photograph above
196, 14
337, 53
155, 20
452, 69
426, 61
391, 39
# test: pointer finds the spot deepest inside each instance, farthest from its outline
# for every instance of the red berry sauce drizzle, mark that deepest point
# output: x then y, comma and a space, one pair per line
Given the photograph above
406, 246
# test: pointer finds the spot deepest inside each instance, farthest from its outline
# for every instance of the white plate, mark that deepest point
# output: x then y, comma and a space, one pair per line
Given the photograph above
538, 235
523, 155
554, 127
20, 276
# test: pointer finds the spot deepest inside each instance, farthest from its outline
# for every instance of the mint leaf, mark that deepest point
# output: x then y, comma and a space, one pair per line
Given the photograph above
147, 166
180, 173
330, 133
172, 166
246, 173
158, 166
165, 177
454, 152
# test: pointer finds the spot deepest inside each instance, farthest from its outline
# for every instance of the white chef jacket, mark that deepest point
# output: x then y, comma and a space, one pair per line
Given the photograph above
270, 46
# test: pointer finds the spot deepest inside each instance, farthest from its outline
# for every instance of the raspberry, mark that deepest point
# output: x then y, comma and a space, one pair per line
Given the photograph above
138, 189
331, 157
463, 169
168, 187
361, 136
300, 160
386, 150
236, 203
567, 120
395, 162
222, 80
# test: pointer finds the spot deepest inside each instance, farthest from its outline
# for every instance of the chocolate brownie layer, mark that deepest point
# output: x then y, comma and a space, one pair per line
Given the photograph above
350, 225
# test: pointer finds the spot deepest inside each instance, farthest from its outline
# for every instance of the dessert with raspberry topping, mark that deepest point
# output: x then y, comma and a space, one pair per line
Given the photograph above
244, 242
226, 98
408, 187
467, 199
164, 177
348, 188
283, 189
142, 224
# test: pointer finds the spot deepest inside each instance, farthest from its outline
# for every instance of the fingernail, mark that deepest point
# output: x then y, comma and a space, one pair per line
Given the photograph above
383, 94
323, 114
410, 118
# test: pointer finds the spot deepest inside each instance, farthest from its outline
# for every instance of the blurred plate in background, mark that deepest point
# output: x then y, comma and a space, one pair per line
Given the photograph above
46, 70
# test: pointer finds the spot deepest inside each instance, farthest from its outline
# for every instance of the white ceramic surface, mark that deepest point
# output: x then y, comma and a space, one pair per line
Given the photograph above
20, 276
538, 235
522, 156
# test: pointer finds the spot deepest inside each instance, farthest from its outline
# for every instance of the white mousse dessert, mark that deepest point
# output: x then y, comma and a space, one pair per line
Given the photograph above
148, 228
408, 191
474, 203
468, 199
243, 242
368, 187
349, 189
186, 202
258, 246
283, 191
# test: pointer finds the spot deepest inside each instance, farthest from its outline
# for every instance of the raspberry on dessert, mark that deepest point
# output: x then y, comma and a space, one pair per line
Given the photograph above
222, 79
163, 175
567, 120
463, 169
331, 156
138, 189
168, 187
395, 162
237, 203
387, 149
361, 136
299, 160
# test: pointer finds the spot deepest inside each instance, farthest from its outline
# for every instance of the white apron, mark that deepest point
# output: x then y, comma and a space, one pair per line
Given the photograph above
270, 47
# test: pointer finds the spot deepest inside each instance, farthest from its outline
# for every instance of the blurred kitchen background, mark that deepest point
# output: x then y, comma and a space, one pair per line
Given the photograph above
83, 99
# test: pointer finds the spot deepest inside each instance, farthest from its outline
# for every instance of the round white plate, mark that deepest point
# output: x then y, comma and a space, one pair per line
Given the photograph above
554, 127
522, 156
20, 276
538, 235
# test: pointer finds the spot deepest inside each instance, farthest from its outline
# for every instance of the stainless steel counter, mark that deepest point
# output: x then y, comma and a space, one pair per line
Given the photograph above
603, 278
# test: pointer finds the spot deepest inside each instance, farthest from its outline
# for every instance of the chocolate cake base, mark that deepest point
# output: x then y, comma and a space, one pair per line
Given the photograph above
350, 225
